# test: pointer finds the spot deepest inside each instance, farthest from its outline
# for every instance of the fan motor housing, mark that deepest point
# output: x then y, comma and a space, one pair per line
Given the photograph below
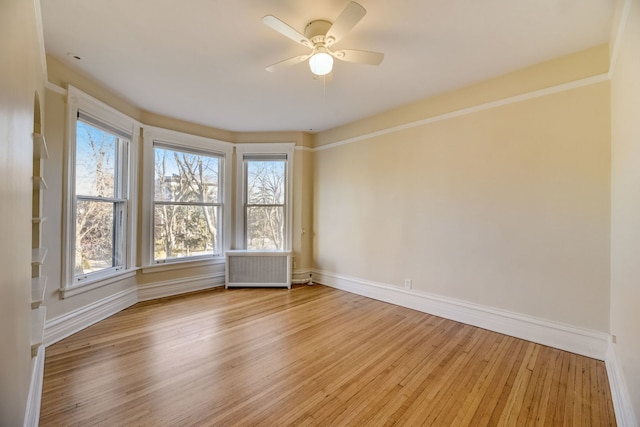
316, 30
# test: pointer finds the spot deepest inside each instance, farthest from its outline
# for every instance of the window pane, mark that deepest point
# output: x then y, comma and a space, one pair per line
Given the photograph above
265, 227
94, 236
185, 177
265, 182
95, 161
182, 231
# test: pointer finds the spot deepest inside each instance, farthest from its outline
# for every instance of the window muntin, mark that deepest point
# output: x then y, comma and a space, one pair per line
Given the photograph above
187, 203
265, 181
101, 198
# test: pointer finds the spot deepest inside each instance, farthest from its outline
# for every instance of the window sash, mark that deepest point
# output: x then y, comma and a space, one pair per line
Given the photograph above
100, 199
102, 125
119, 201
184, 248
265, 157
218, 207
271, 238
186, 149
117, 224
200, 153
186, 203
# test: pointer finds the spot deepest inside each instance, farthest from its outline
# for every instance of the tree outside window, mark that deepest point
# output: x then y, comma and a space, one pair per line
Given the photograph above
187, 204
100, 199
265, 203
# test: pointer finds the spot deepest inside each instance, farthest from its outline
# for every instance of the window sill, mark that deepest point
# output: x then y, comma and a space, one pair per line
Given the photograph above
178, 265
96, 283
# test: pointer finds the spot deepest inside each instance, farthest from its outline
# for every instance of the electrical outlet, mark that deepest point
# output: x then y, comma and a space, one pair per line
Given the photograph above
407, 283
614, 339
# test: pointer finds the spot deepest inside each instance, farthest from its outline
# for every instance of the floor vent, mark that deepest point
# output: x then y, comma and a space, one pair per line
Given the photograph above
258, 269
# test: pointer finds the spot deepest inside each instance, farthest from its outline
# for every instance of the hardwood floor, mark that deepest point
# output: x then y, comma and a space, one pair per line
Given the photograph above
311, 355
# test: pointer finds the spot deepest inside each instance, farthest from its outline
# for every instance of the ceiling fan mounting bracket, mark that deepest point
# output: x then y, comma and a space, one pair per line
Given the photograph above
317, 29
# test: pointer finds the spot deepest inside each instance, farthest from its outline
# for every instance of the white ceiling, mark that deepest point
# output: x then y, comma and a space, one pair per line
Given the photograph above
203, 60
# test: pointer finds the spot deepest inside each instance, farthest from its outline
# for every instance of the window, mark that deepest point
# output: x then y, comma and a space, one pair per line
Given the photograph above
99, 207
101, 197
265, 196
185, 212
264, 209
187, 203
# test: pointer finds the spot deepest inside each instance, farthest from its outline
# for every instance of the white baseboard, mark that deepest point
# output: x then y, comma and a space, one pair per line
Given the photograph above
168, 288
625, 416
69, 323
564, 337
32, 414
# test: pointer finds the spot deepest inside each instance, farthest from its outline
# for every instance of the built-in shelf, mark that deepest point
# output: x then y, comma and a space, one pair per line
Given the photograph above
39, 147
38, 255
38, 316
39, 183
38, 285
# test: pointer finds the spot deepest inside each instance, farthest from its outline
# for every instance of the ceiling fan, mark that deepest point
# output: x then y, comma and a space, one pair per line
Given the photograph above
319, 36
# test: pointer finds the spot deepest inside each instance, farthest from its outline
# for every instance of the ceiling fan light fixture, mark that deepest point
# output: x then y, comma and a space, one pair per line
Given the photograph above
320, 35
321, 63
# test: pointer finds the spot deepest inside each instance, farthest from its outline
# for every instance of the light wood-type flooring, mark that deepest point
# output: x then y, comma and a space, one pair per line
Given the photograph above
309, 356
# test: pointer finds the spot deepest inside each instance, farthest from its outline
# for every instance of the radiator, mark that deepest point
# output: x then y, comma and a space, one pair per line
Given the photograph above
258, 269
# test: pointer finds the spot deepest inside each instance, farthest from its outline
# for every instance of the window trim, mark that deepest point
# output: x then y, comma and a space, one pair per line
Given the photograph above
111, 119
255, 151
191, 143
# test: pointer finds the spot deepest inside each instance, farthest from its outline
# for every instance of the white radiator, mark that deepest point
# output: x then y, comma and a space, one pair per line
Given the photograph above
258, 269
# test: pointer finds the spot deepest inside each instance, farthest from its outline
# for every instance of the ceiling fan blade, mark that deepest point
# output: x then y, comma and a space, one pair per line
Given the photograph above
286, 30
359, 56
291, 61
350, 16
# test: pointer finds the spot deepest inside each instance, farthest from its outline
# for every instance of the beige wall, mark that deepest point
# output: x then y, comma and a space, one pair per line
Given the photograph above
564, 70
21, 77
506, 207
625, 205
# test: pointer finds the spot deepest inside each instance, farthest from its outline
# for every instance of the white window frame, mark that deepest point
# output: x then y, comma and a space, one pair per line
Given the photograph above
171, 139
72, 285
255, 150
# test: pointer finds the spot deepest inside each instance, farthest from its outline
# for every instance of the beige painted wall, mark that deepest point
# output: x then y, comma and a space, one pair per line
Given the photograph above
563, 70
625, 205
22, 76
507, 207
